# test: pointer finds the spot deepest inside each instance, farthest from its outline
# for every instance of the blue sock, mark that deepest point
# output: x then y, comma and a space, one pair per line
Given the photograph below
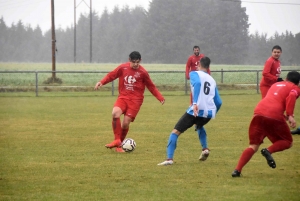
202, 137
172, 143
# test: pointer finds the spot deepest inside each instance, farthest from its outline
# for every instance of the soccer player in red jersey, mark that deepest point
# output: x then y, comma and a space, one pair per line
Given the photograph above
133, 78
193, 62
269, 121
271, 71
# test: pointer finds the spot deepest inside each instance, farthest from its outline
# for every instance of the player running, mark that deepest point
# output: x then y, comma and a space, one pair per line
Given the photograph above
192, 65
206, 103
269, 121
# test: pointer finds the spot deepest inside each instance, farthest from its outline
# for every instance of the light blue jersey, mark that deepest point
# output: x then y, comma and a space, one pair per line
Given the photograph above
205, 94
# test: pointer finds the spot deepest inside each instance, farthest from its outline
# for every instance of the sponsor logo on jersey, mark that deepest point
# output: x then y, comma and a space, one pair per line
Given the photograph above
129, 81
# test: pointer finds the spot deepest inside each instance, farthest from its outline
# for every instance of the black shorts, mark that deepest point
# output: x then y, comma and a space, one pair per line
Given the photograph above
187, 121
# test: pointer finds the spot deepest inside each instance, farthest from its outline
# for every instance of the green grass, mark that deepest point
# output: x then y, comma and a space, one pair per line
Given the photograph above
52, 148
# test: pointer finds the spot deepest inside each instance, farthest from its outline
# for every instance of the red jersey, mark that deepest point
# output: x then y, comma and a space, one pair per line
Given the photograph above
192, 63
132, 82
280, 97
270, 72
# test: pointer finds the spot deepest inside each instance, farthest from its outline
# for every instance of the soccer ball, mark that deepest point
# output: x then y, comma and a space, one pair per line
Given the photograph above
128, 145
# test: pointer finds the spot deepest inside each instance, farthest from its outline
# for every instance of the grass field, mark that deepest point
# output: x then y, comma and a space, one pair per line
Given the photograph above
52, 148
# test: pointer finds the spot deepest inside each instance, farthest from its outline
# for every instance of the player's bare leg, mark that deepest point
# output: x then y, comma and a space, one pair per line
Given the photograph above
117, 129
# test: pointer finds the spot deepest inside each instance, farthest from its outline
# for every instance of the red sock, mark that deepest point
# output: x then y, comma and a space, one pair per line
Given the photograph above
116, 125
279, 146
124, 133
244, 159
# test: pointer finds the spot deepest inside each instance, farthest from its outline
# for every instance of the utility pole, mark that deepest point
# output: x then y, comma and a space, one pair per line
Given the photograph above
91, 37
91, 51
74, 31
53, 40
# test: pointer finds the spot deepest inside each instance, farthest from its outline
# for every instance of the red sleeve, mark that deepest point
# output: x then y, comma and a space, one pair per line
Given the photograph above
112, 75
188, 68
152, 88
291, 101
268, 76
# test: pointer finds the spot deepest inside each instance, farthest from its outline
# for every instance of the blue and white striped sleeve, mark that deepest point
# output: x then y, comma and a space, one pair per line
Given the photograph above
195, 85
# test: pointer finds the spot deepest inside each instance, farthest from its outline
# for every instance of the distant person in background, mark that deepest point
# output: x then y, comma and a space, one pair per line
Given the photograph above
133, 79
192, 65
206, 104
193, 62
271, 71
269, 121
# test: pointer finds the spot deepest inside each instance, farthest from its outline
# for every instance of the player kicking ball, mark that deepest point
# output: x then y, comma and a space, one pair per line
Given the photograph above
133, 79
206, 103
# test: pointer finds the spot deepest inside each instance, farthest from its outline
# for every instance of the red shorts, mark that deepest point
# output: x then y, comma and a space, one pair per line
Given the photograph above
129, 107
274, 130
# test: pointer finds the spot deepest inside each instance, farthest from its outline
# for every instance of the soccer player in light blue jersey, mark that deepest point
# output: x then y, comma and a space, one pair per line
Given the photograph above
206, 104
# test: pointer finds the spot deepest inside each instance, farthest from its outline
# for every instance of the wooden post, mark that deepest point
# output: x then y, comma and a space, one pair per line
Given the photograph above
53, 40
91, 35
74, 31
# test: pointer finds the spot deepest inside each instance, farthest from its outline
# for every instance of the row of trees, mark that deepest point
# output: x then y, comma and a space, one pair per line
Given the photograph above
164, 34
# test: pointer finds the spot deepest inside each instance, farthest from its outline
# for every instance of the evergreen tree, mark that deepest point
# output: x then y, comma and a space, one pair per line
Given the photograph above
164, 34
3, 41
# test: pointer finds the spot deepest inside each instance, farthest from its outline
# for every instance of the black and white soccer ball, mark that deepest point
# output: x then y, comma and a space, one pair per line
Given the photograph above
128, 145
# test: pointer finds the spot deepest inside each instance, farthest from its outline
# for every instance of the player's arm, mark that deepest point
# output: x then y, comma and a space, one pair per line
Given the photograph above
217, 99
195, 85
152, 88
109, 77
195, 89
267, 72
98, 84
188, 68
290, 106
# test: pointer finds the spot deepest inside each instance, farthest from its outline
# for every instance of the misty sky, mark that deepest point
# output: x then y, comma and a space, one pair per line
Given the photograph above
265, 16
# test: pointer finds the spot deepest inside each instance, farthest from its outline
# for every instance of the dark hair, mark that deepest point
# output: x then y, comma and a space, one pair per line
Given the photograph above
135, 55
277, 47
196, 47
205, 62
294, 77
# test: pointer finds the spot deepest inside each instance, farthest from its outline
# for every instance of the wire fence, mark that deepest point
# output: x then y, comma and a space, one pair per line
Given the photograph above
36, 81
